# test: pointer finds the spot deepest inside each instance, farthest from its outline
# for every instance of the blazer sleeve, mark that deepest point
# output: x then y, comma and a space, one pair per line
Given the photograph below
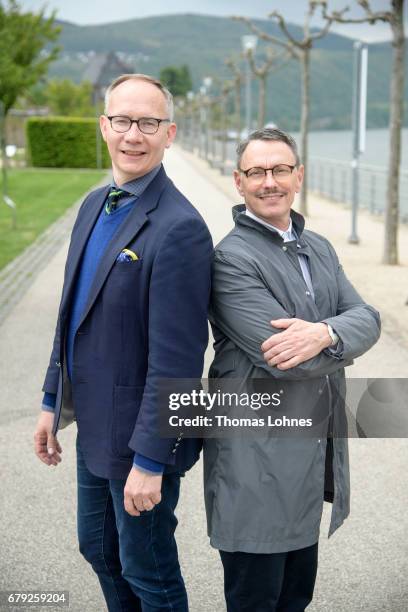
242, 307
178, 328
51, 378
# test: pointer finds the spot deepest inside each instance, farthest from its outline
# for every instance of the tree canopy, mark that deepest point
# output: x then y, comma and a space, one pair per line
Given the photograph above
65, 98
177, 79
26, 50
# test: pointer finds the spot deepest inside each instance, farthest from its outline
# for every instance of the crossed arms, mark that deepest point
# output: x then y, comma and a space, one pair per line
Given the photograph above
243, 308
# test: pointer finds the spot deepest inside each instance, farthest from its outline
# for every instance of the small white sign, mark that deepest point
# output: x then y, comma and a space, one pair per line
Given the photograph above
11, 150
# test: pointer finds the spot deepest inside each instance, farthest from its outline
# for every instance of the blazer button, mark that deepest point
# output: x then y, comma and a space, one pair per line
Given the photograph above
58, 364
284, 248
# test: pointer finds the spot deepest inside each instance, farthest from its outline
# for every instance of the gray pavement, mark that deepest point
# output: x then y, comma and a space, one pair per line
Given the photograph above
364, 566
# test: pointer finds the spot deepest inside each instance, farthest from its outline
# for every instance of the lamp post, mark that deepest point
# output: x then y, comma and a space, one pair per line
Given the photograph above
190, 101
207, 82
359, 128
249, 43
201, 122
181, 120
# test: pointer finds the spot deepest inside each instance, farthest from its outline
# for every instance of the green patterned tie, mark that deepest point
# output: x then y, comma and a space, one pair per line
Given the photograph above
113, 198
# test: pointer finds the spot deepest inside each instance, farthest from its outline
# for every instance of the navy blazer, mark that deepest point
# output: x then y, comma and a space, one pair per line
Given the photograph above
144, 320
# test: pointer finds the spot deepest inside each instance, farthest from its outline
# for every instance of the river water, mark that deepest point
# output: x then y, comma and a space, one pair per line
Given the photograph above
337, 144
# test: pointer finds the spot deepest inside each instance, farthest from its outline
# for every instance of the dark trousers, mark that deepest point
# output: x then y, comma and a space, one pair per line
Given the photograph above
134, 557
278, 582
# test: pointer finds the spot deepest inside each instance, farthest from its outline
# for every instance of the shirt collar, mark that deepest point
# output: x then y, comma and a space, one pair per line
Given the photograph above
287, 235
137, 186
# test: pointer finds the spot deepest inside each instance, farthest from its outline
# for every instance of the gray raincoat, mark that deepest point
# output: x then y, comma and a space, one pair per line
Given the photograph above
265, 494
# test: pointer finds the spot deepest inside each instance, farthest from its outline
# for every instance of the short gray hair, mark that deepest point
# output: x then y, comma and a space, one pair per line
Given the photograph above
274, 134
141, 77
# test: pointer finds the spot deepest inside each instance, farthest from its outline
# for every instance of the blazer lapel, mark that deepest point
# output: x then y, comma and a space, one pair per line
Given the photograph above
136, 219
81, 235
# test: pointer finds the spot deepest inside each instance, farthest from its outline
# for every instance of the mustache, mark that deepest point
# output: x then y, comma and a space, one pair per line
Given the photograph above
266, 192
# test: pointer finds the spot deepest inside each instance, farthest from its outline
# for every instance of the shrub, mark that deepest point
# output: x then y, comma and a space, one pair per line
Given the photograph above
63, 142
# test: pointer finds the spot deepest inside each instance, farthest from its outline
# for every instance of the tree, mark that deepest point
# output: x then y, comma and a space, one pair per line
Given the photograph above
395, 18
226, 89
24, 58
237, 81
261, 72
177, 79
301, 50
68, 99
186, 82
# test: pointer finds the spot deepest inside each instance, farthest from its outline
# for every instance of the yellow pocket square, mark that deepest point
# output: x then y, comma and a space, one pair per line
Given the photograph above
127, 255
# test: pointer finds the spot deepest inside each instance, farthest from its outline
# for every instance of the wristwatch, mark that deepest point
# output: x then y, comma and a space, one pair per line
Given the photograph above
334, 337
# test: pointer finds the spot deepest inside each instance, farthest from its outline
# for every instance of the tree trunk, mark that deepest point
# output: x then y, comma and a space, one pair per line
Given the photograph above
304, 124
390, 255
262, 101
3, 150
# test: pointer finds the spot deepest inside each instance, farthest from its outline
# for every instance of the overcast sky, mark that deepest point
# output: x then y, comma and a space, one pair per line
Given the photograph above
104, 11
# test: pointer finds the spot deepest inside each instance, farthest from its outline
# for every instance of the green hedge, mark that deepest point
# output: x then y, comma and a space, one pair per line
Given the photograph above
63, 142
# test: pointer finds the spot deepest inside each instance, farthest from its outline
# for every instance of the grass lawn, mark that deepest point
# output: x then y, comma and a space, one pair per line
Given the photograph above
41, 196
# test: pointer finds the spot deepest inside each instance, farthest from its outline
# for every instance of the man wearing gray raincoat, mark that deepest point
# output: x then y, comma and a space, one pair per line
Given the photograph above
264, 495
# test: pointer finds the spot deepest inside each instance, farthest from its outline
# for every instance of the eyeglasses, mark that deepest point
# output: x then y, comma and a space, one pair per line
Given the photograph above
279, 173
146, 125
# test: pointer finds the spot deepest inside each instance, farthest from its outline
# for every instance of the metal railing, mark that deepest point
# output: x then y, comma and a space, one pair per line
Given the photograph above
332, 178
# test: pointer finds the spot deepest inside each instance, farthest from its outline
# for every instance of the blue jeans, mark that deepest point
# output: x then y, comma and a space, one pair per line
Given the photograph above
135, 558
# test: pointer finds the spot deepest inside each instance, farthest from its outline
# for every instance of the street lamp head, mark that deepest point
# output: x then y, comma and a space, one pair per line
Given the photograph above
207, 81
249, 42
190, 96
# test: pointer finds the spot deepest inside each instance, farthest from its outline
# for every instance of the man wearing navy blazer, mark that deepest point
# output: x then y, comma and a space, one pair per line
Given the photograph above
133, 311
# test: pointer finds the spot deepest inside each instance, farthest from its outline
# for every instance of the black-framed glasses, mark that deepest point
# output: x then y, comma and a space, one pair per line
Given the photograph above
279, 172
146, 125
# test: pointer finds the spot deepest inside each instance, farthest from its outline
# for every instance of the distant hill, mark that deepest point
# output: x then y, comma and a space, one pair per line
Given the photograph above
204, 42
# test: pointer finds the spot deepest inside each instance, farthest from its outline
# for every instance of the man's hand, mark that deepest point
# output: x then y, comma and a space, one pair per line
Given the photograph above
300, 341
142, 491
46, 446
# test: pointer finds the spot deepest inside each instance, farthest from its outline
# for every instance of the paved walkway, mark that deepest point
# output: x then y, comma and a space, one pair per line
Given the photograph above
363, 567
